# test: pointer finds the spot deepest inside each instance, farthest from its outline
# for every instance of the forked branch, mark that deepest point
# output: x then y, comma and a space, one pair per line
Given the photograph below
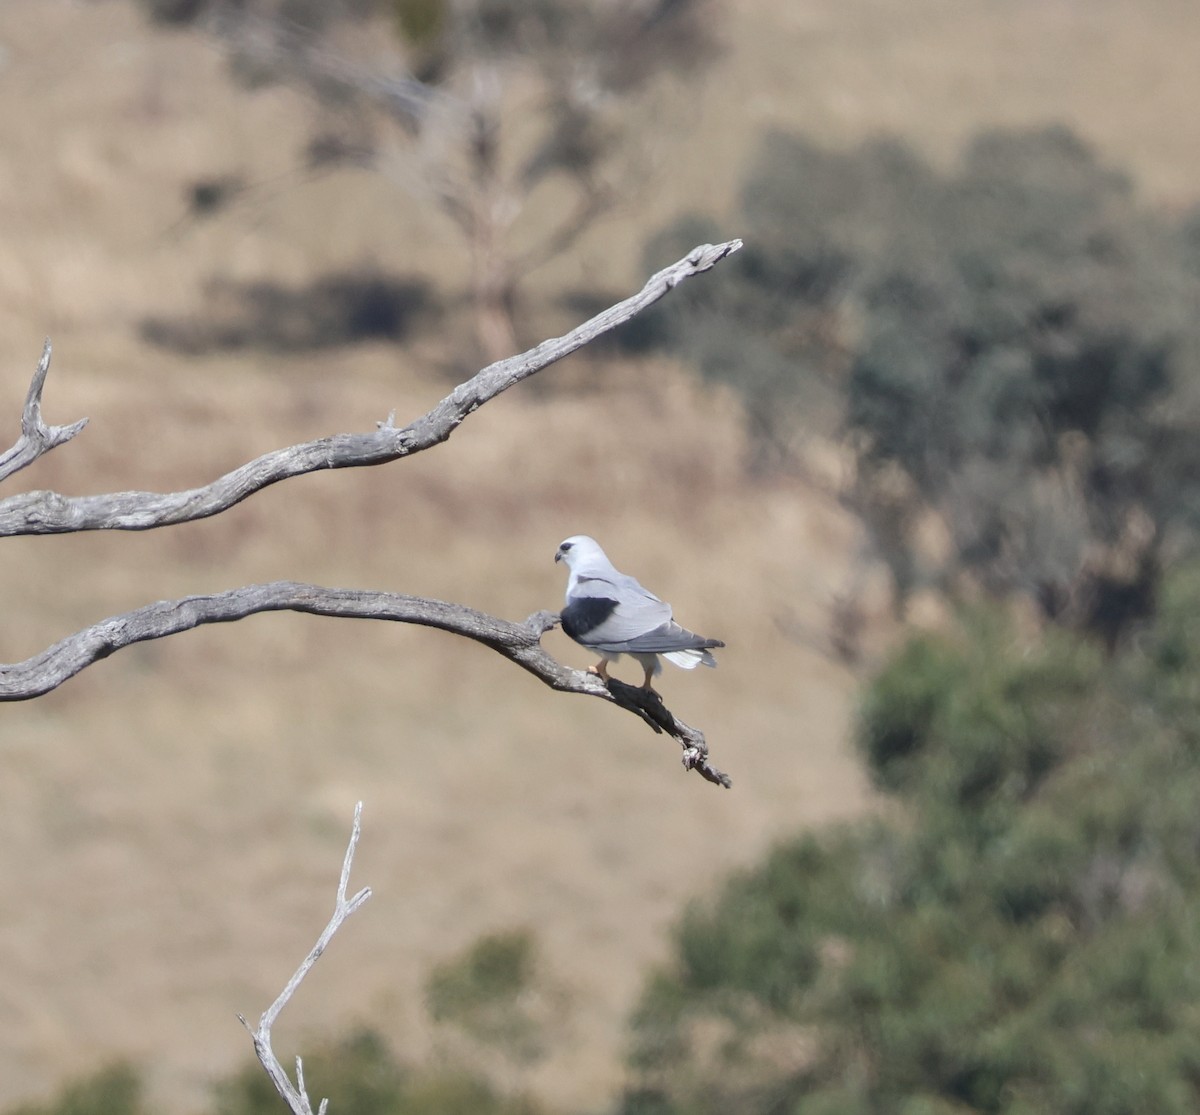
36, 437
46, 512
296, 1095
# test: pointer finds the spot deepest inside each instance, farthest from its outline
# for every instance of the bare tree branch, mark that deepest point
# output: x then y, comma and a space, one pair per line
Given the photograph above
46, 512
296, 1095
518, 642
36, 437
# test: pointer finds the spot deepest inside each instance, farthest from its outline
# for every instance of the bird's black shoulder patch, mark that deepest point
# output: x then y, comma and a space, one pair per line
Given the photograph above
586, 614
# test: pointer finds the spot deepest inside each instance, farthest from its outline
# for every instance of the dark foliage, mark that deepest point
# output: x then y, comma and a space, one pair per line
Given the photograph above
360, 1075
208, 196
333, 310
181, 12
495, 970
485, 994
357, 1074
114, 1090
1021, 937
1011, 349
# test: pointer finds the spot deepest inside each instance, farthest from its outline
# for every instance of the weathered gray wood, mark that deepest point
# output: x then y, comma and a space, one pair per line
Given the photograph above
518, 642
47, 512
296, 1095
36, 437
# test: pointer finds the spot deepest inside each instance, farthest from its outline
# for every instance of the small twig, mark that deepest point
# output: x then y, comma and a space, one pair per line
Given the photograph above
520, 643
296, 1095
36, 437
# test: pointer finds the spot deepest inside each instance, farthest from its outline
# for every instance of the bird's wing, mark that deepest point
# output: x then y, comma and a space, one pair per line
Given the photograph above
611, 612
669, 637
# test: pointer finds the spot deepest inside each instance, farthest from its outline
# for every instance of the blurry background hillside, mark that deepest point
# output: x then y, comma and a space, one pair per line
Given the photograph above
171, 821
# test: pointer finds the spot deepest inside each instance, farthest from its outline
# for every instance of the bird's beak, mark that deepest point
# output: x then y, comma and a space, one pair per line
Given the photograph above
557, 556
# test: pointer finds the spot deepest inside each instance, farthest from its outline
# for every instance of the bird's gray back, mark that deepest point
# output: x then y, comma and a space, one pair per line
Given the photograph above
606, 612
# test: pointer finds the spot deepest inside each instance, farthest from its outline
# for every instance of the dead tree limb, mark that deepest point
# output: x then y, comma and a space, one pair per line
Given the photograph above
520, 643
296, 1095
45, 512
36, 437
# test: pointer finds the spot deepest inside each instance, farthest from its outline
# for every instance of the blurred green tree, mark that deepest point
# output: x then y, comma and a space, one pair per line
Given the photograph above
488, 993
1011, 350
1018, 935
113, 1090
362, 1077
358, 1071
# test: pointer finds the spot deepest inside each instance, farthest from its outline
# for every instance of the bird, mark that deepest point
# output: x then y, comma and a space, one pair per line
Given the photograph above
609, 612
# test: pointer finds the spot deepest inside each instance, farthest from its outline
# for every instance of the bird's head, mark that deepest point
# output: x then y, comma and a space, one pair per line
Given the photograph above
580, 551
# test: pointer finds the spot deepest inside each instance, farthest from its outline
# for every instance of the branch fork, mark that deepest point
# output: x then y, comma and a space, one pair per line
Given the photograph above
296, 1095
36, 437
46, 512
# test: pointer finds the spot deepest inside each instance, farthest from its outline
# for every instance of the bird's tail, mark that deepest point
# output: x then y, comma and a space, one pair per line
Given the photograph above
690, 659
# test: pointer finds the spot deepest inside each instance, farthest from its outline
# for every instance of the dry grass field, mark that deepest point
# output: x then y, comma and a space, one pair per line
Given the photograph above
172, 821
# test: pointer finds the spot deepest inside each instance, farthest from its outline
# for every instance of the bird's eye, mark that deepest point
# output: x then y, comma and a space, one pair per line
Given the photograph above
566, 546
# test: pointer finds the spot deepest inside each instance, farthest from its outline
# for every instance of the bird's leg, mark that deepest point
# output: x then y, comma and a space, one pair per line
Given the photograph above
600, 670
646, 681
